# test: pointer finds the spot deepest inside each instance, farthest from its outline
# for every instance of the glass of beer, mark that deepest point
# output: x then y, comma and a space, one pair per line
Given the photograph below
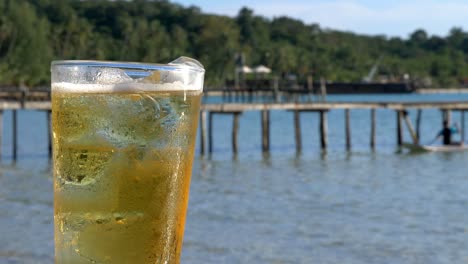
123, 138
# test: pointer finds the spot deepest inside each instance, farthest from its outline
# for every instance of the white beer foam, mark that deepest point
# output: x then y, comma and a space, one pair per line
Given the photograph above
65, 87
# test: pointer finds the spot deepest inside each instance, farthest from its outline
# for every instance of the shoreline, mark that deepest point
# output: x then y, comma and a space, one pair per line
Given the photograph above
441, 90
417, 91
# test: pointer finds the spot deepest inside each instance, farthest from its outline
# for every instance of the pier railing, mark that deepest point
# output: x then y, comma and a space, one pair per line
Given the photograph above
322, 108
40, 101
14, 99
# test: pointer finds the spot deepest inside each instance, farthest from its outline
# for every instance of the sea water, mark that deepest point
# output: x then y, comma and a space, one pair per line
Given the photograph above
363, 206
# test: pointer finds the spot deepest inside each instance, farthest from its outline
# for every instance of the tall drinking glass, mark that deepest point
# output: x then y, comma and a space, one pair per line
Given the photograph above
123, 137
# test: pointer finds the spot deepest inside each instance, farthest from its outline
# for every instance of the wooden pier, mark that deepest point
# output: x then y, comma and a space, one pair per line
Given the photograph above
322, 108
40, 101
14, 99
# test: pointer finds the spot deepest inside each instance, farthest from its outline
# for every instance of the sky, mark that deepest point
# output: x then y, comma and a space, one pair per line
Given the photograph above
372, 17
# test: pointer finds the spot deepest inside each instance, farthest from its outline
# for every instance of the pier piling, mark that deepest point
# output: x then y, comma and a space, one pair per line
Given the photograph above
15, 134
399, 131
203, 132
210, 132
373, 121
409, 125
49, 133
235, 130
462, 125
1, 131
265, 130
323, 130
297, 130
348, 129
418, 124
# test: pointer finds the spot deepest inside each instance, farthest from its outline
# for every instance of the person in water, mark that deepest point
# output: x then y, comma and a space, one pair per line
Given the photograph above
447, 132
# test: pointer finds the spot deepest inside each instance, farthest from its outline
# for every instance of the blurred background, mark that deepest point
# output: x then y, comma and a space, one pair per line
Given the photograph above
340, 40
340, 205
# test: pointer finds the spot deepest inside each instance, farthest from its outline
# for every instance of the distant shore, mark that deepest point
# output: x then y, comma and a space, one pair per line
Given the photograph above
219, 92
441, 90
417, 91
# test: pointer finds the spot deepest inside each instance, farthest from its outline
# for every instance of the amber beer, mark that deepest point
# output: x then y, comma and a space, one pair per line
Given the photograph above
123, 152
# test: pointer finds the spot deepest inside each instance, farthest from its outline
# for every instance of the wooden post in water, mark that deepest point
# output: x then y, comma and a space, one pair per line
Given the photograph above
297, 130
418, 124
49, 133
410, 127
265, 130
1, 131
210, 132
399, 128
323, 129
235, 130
15, 134
462, 126
348, 129
373, 121
203, 132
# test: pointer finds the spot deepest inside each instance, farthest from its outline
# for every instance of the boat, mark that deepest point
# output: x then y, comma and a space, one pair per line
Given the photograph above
435, 148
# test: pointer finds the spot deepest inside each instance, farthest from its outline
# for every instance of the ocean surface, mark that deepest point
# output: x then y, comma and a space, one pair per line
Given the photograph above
362, 206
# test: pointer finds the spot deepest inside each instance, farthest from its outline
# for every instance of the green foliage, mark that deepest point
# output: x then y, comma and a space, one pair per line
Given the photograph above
24, 47
34, 32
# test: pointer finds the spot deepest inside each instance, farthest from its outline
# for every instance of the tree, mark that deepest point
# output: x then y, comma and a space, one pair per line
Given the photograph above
217, 43
26, 58
419, 36
33, 32
457, 37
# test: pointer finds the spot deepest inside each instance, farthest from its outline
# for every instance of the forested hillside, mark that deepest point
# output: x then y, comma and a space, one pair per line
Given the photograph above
34, 32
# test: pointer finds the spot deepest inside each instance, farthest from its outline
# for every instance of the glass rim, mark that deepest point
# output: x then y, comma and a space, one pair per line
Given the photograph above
126, 65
